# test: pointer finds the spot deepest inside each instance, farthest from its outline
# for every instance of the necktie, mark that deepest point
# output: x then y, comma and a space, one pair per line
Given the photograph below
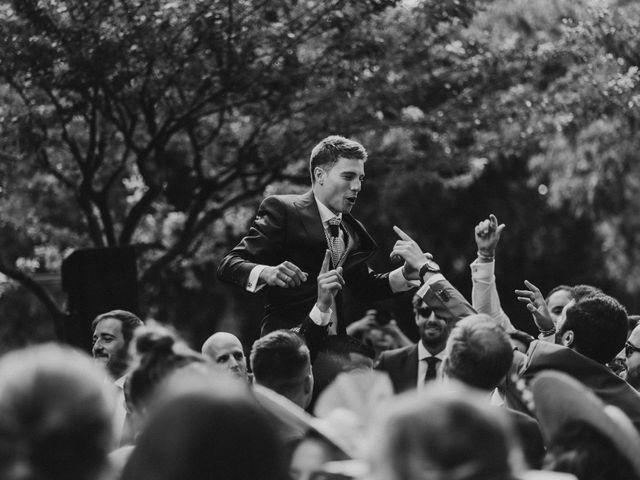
336, 243
432, 369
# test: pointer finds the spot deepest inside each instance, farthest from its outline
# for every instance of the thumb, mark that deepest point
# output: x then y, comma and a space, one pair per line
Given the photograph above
325, 262
499, 229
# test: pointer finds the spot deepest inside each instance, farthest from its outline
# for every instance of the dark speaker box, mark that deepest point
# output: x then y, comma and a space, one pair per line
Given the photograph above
97, 280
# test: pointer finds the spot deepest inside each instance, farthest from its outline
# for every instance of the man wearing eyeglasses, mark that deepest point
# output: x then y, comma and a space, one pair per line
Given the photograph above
632, 357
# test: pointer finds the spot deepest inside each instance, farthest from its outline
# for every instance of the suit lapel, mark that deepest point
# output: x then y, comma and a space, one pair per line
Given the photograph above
310, 216
411, 367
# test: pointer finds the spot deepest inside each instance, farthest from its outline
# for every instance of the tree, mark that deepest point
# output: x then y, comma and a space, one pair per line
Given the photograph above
143, 122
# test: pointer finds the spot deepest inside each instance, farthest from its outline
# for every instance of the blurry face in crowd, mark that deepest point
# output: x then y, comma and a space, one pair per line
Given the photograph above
562, 319
109, 346
379, 339
227, 354
434, 331
309, 457
338, 186
557, 301
632, 356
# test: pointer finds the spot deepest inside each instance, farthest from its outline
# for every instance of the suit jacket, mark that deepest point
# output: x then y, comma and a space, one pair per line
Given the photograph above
402, 364
289, 227
611, 389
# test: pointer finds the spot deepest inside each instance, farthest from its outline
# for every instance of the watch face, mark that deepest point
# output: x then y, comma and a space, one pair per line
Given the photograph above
432, 266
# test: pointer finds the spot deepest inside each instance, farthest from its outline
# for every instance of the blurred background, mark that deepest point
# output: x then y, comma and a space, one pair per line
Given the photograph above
161, 125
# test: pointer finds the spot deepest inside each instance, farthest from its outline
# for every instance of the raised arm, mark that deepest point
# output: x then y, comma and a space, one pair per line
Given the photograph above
484, 294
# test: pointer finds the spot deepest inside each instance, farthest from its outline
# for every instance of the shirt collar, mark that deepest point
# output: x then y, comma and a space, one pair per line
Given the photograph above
325, 213
424, 353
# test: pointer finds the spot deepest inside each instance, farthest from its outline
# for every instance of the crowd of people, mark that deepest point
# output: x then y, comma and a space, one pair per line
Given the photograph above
323, 397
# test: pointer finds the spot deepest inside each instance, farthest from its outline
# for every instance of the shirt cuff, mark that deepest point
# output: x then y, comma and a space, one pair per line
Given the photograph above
254, 279
398, 283
482, 271
431, 279
319, 317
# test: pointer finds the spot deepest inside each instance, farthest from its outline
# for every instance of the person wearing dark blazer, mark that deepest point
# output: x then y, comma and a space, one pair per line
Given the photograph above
413, 366
283, 252
437, 307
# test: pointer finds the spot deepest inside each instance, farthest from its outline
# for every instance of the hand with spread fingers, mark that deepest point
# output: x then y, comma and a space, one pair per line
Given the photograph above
330, 282
285, 275
413, 256
487, 235
534, 301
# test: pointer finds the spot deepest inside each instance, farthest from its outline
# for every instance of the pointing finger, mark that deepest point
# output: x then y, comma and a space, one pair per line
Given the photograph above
325, 262
401, 234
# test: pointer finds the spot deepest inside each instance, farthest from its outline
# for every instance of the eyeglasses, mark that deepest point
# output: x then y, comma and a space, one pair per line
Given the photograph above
629, 349
424, 312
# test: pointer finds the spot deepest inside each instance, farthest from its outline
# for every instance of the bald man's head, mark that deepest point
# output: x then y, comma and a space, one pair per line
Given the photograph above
226, 352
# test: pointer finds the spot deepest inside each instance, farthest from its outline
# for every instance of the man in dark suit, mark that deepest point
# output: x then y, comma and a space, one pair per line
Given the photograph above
412, 367
284, 249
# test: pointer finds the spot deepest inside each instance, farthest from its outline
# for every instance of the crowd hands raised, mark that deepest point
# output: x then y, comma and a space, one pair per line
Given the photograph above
473, 399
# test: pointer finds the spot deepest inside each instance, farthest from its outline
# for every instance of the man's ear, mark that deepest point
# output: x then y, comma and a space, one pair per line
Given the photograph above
567, 338
308, 384
318, 175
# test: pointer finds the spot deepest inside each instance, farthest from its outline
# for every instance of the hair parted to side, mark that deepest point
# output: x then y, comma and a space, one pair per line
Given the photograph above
280, 360
129, 322
327, 152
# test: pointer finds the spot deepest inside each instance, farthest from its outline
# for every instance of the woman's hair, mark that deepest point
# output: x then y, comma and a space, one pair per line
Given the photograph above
583, 451
55, 415
160, 352
215, 430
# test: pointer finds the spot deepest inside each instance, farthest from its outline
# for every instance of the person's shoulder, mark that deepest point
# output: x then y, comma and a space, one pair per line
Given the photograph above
400, 352
286, 199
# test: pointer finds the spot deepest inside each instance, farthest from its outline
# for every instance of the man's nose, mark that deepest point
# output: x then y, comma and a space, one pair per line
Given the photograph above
356, 185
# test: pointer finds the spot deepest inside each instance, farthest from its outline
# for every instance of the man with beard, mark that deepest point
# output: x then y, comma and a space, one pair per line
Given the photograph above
112, 333
632, 358
417, 365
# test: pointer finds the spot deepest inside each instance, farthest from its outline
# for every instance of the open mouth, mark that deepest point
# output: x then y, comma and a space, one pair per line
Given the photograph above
351, 200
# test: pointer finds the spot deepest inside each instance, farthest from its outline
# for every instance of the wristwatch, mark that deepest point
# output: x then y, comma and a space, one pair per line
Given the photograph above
429, 266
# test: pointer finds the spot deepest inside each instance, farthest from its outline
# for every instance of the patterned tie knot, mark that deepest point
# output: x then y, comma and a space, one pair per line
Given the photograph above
334, 226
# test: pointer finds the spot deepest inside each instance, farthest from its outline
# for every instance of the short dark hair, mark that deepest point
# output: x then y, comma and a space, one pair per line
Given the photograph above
600, 326
129, 322
280, 361
521, 336
582, 291
479, 352
330, 149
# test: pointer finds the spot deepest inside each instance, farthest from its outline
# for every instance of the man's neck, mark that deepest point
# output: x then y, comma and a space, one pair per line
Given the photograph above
434, 349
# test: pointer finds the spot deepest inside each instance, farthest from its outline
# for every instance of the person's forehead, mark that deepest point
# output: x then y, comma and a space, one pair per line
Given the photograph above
109, 325
561, 297
344, 165
225, 345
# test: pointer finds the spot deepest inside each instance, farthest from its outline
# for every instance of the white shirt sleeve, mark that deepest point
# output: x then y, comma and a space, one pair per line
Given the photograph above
398, 283
319, 317
254, 278
484, 294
